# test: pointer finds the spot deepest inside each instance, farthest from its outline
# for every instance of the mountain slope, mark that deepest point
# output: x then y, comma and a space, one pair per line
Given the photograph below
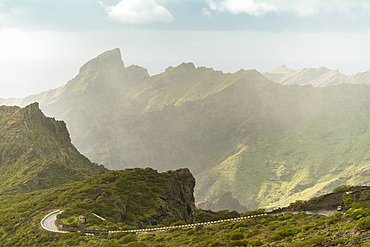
317, 77
36, 152
266, 143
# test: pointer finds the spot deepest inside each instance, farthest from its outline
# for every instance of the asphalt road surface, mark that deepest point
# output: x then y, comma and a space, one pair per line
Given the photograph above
321, 212
49, 222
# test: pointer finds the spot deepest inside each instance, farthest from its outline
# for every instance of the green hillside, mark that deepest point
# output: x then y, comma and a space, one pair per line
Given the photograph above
127, 199
20, 216
266, 143
36, 152
130, 198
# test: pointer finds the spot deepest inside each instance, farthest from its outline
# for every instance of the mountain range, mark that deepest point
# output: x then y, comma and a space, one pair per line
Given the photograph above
317, 77
267, 144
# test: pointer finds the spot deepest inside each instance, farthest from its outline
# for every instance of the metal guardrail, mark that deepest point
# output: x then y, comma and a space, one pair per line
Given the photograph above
188, 225
157, 229
98, 217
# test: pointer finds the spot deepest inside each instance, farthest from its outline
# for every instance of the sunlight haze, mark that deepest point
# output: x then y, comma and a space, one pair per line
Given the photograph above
42, 45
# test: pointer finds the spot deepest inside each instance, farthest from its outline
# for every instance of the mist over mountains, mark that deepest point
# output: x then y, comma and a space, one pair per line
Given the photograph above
266, 143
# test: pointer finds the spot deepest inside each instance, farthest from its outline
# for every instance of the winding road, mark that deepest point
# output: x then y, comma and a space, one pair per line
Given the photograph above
48, 222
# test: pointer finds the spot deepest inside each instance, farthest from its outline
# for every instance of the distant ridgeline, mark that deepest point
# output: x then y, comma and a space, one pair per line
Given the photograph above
267, 144
317, 77
36, 152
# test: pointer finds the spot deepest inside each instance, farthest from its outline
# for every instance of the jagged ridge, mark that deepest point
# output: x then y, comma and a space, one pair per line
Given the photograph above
266, 143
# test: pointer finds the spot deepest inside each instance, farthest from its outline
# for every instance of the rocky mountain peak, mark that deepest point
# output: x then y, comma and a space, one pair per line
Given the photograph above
183, 67
106, 61
282, 69
187, 65
34, 116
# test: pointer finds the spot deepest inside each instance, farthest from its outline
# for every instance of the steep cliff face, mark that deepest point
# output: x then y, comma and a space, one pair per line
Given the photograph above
177, 200
36, 152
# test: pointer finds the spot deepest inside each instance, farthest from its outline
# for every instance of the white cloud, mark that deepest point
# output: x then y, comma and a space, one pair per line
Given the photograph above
207, 12
139, 12
251, 7
350, 8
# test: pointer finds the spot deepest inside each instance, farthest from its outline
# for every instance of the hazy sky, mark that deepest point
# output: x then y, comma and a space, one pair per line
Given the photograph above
43, 43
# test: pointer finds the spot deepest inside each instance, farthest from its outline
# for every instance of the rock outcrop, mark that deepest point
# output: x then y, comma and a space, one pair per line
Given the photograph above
177, 201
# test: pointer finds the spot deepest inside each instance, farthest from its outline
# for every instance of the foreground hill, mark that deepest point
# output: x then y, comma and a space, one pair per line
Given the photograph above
171, 191
266, 143
317, 77
36, 152
131, 198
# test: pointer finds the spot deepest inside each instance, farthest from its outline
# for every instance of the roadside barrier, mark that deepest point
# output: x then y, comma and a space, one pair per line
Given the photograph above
98, 217
187, 226
158, 229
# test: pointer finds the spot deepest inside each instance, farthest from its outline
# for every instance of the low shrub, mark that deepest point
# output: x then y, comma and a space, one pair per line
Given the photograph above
179, 223
315, 199
364, 223
254, 212
315, 241
308, 227
298, 203
349, 200
137, 244
356, 213
127, 239
285, 232
256, 243
343, 188
332, 219
191, 232
339, 241
348, 226
238, 243
274, 226
236, 236
215, 244
110, 243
